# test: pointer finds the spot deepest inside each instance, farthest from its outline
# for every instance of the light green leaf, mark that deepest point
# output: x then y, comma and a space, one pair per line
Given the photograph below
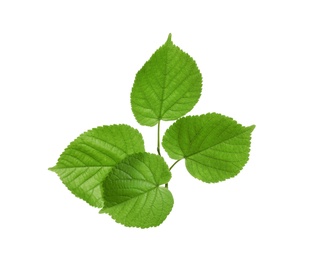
133, 196
215, 147
167, 87
85, 163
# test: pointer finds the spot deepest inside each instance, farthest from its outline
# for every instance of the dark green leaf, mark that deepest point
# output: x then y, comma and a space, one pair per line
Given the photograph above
133, 196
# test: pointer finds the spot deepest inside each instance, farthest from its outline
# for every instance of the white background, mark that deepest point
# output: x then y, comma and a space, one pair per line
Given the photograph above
68, 66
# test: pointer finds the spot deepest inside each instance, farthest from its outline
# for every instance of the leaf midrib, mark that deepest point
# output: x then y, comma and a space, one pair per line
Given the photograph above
135, 197
164, 83
211, 147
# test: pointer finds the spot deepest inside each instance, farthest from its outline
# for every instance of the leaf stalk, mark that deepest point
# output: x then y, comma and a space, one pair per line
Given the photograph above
158, 139
166, 185
174, 164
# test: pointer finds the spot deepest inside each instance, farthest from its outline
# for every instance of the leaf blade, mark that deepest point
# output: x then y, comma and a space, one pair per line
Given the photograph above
85, 163
214, 147
167, 87
133, 196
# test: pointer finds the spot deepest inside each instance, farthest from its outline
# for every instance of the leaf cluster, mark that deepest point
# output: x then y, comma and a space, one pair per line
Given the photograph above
108, 167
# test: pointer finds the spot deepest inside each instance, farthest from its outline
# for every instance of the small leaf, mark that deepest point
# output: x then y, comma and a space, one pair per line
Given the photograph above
167, 87
133, 196
85, 163
214, 146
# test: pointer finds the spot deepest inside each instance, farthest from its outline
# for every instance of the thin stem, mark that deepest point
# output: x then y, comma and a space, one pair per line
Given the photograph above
174, 164
158, 139
166, 185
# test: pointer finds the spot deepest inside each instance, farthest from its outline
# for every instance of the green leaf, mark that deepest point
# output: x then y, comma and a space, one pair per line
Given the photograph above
133, 196
85, 163
215, 147
167, 87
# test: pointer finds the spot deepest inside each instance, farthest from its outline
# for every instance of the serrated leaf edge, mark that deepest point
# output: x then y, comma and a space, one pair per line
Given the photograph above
250, 128
168, 41
102, 211
230, 177
132, 226
85, 132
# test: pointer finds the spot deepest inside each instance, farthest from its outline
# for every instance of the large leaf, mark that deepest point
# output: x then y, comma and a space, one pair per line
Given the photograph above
85, 163
166, 87
214, 146
133, 196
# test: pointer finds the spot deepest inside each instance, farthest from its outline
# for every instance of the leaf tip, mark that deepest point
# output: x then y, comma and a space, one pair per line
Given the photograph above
102, 211
169, 38
252, 127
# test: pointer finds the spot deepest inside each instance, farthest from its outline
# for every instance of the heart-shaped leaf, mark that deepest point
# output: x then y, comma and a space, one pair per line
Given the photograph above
167, 87
85, 163
215, 147
132, 192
